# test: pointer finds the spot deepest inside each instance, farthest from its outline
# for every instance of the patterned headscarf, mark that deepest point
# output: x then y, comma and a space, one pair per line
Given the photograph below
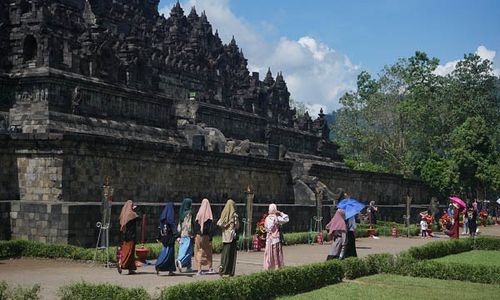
185, 209
228, 212
127, 214
204, 213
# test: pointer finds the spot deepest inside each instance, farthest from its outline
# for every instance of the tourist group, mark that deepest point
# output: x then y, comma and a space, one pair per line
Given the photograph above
197, 231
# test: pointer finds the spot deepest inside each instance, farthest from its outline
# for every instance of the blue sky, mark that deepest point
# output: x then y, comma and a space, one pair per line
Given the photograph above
322, 45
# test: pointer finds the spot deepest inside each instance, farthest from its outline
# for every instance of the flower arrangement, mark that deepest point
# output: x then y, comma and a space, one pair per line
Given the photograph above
445, 221
483, 216
260, 230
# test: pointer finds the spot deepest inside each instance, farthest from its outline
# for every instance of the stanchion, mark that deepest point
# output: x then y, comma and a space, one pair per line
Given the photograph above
244, 242
103, 242
319, 237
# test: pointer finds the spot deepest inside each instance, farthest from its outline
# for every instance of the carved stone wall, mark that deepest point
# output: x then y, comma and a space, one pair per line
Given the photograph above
367, 186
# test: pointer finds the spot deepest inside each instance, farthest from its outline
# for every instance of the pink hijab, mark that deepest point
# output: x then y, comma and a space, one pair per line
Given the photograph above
204, 213
337, 223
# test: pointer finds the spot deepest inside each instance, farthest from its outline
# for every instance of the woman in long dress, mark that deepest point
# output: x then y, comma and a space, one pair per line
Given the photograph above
273, 254
229, 224
203, 230
185, 228
351, 237
168, 234
455, 229
128, 220
473, 219
337, 231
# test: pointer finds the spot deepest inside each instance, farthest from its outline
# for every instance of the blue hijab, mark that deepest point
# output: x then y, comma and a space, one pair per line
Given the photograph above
167, 215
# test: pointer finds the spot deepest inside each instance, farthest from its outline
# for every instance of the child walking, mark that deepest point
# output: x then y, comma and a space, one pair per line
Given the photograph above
423, 228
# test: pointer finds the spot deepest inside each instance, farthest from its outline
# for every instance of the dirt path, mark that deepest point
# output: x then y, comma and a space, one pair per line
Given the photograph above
52, 274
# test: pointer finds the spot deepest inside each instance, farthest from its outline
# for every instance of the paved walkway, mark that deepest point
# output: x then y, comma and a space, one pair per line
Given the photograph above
52, 274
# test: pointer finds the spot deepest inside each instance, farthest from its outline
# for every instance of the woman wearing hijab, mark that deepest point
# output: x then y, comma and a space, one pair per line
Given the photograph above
473, 219
351, 237
337, 231
185, 228
168, 235
229, 223
273, 254
128, 220
455, 229
203, 230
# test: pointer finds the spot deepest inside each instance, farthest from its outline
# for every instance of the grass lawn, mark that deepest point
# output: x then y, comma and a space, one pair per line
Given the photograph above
476, 257
384, 286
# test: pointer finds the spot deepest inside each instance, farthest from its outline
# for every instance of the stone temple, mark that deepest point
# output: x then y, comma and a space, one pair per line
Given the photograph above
96, 89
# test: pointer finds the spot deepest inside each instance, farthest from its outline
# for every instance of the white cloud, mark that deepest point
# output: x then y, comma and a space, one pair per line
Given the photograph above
315, 73
443, 70
482, 51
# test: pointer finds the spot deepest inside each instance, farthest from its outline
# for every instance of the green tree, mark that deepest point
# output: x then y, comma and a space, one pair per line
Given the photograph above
410, 121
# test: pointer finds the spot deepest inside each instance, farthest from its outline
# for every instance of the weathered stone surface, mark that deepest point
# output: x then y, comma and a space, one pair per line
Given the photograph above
97, 88
243, 148
303, 193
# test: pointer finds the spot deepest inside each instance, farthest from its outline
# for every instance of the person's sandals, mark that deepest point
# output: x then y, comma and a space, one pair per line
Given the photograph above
118, 268
178, 264
200, 273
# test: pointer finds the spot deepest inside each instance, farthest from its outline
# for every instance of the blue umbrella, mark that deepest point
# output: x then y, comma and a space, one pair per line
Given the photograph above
351, 207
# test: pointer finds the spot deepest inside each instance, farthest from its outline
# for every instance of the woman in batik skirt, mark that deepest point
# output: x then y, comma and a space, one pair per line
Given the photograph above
128, 224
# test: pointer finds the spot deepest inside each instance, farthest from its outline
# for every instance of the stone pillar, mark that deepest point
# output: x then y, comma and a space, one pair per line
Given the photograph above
39, 175
40, 213
249, 208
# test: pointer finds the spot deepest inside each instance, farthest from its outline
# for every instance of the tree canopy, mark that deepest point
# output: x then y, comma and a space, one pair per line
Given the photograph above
441, 129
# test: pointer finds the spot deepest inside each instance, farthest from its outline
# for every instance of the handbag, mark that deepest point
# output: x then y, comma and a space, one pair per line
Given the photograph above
282, 236
166, 235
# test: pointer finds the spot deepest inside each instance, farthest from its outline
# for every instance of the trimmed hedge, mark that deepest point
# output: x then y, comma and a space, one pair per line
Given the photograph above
262, 285
384, 229
451, 271
355, 267
19, 292
88, 291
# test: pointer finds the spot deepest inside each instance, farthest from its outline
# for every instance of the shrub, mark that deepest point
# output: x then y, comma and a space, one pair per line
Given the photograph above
262, 285
83, 290
487, 243
355, 267
440, 248
380, 263
449, 271
18, 293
